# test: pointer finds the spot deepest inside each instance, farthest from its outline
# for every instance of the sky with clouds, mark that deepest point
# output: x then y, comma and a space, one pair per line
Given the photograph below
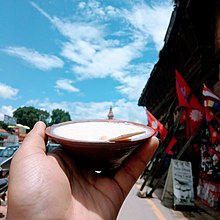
80, 56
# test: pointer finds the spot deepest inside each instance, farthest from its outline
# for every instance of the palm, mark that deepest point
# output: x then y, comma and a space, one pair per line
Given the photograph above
89, 191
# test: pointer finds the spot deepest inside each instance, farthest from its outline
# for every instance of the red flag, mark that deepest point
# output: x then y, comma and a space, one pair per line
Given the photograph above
183, 117
210, 99
156, 125
214, 135
170, 146
183, 90
193, 109
209, 114
212, 152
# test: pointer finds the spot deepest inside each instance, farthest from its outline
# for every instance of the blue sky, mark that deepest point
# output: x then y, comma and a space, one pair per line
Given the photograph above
80, 56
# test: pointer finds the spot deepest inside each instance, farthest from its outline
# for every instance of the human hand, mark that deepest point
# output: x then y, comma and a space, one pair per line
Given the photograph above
51, 186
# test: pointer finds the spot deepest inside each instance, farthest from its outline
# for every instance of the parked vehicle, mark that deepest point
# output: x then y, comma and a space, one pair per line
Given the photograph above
8, 152
2, 148
5, 161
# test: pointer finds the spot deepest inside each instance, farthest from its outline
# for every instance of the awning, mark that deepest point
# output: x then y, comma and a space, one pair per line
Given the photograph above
4, 134
23, 126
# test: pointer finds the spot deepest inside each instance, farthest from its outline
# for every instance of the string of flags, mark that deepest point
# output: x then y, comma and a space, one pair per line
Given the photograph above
211, 102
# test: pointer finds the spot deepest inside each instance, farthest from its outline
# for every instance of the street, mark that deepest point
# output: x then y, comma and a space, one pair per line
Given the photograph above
138, 208
142, 208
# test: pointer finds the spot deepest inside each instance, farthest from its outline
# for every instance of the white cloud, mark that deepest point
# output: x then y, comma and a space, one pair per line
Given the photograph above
87, 46
151, 20
33, 57
122, 109
132, 86
106, 62
6, 110
66, 84
94, 10
74, 31
91, 47
7, 92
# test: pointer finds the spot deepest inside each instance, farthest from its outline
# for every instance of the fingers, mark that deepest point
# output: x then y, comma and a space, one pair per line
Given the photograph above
34, 142
128, 174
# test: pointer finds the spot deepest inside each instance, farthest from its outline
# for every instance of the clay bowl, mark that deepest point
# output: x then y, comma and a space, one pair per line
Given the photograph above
101, 145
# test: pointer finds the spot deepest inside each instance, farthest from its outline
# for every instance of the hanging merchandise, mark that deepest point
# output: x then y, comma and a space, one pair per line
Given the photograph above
211, 102
209, 183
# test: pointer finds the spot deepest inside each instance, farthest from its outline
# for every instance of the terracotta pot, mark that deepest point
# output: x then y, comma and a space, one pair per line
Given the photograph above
92, 147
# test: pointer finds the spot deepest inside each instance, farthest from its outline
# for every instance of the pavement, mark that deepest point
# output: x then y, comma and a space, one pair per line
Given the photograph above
136, 208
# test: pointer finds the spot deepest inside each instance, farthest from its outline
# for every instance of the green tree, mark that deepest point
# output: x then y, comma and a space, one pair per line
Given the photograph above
29, 116
59, 115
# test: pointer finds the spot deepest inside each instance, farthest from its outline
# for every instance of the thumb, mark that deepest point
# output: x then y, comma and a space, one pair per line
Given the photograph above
34, 142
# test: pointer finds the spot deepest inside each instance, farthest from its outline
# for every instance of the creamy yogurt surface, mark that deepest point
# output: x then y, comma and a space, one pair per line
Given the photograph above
99, 131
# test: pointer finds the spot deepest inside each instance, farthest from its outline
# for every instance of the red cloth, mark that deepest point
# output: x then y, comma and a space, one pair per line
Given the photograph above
194, 112
212, 152
183, 90
214, 136
158, 127
170, 146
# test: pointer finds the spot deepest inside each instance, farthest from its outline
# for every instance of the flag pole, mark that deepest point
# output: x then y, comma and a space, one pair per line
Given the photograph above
155, 157
162, 151
183, 149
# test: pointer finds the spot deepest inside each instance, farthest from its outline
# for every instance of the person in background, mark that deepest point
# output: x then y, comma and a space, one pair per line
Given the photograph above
43, 187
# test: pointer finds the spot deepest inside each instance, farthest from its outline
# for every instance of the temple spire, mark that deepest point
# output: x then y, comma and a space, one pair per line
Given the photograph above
110, 114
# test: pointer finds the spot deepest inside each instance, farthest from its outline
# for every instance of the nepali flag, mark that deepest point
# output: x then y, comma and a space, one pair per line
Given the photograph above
156, 125
183, 90
212, 121
210, 99
214, 135
159, 128
211, 117
193, 110
169, 148
214, 152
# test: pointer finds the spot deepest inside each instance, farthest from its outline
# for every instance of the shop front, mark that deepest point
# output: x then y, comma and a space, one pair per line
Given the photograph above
183, 94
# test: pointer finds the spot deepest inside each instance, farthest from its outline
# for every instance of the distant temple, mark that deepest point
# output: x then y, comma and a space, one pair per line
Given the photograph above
110, 114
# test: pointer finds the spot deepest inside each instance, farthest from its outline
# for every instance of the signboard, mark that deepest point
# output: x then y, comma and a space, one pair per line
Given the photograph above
10, 120
179, 183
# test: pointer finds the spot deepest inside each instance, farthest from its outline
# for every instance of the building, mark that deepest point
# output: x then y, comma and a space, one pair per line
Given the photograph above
191, 46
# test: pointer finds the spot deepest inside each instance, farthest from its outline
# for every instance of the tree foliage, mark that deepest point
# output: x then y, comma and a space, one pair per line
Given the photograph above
59, 115
29, 116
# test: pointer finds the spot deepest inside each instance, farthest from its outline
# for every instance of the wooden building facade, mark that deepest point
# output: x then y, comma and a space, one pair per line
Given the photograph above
191, 46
